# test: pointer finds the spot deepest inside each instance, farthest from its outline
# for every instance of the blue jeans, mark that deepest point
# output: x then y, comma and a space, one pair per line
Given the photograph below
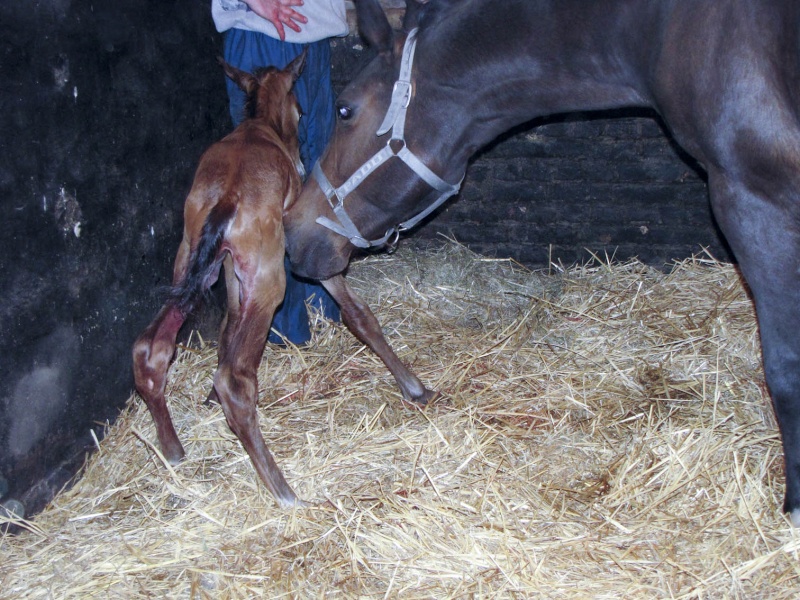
248, 50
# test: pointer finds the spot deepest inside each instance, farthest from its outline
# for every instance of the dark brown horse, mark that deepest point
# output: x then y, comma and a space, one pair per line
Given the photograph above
232, 216
723, 74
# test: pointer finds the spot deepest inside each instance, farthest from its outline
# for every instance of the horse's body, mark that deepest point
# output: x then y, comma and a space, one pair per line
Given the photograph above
233, 216
723, 74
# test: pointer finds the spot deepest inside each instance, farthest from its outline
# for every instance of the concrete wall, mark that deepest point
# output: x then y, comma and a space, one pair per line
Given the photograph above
611, 183
105, 108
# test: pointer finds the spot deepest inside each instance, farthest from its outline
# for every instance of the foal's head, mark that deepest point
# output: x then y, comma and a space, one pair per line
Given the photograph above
269, 96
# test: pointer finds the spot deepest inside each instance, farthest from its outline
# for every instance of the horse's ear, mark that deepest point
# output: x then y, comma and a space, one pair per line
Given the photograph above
373, 25
413, 9
243, 79
296, 66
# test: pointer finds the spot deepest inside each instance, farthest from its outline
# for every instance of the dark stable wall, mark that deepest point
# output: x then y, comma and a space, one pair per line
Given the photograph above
565, 188
105, 108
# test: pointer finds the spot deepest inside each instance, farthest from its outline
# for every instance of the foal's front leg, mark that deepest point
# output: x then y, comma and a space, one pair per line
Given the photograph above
362, 323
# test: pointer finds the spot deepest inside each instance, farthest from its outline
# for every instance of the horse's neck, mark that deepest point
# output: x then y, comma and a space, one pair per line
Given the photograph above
492, 69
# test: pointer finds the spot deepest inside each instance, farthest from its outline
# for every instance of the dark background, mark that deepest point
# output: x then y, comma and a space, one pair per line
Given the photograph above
105, 108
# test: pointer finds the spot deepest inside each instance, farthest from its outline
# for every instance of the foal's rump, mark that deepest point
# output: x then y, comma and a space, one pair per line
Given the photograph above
235, 205
205, 259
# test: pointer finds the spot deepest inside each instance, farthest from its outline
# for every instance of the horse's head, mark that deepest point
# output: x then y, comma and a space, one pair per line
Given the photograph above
382, 166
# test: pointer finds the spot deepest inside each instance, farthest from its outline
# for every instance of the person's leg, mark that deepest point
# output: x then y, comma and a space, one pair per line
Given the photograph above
315, 94
240, 49
247, 50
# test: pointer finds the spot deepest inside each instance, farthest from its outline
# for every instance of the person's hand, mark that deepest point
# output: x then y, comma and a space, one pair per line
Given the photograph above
279, 13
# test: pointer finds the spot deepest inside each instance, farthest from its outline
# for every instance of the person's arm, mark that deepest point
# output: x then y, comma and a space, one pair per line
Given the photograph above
279, 13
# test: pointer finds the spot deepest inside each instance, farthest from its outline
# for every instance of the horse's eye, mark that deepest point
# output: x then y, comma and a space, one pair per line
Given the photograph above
345, 112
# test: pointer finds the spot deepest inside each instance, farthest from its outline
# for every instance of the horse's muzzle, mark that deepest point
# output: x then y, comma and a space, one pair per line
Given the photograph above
314, 251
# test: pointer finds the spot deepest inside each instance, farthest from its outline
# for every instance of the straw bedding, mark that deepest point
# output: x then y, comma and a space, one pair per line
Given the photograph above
603, 431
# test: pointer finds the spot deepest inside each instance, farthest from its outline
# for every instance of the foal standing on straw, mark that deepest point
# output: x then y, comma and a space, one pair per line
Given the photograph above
233, 216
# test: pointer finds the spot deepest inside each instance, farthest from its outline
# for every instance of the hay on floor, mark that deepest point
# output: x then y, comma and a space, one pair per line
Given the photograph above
603, 431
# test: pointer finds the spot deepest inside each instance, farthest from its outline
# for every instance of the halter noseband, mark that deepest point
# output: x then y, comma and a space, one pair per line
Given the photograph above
395, 120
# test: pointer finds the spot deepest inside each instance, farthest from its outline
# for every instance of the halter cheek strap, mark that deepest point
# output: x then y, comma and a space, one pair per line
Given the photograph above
394, 120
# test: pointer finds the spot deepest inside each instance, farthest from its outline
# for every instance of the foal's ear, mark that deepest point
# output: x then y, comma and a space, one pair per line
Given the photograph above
243, 79
413, 9
374, 26
296, 66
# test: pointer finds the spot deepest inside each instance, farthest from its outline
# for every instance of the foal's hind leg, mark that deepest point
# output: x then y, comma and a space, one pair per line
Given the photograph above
232, 292
241, 348
152, 354
362, 322
764, 233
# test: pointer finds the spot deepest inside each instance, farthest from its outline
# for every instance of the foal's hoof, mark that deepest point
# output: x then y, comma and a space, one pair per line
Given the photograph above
212, 398
174, 458
423, 399
294, 502
325, 505
172, 451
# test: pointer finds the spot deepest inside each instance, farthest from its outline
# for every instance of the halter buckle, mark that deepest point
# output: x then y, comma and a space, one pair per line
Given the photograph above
403, 87
392, 243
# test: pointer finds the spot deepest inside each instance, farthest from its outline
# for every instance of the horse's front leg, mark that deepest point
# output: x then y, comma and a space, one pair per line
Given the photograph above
360, 320
764, 234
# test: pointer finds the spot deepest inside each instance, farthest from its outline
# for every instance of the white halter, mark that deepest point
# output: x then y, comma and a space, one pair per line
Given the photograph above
395, 120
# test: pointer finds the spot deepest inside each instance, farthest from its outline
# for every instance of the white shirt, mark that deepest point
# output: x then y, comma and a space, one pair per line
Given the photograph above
326, 18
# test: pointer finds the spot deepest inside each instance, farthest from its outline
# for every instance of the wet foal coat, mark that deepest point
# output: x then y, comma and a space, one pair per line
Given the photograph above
233, 217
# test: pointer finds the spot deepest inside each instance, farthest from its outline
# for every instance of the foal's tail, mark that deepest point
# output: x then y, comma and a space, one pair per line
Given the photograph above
205, 261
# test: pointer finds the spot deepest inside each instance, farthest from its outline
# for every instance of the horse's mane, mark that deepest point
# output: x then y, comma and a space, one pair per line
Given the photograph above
434, 11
